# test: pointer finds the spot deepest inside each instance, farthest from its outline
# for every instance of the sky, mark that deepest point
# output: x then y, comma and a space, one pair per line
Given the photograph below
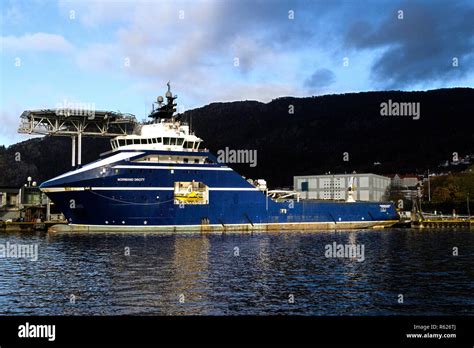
119, 55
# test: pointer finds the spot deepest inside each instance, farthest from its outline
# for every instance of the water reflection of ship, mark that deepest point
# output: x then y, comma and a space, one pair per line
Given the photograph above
187, 292
147, 281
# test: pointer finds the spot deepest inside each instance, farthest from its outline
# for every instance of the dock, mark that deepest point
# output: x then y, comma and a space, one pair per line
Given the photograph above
443, 223
426, 220
7, 226
421, 219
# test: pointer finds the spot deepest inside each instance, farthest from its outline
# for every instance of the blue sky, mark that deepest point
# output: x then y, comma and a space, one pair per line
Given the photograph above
52, 51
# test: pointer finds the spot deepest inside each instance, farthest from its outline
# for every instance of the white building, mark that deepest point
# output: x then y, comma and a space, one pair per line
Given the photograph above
368, 187
405, 181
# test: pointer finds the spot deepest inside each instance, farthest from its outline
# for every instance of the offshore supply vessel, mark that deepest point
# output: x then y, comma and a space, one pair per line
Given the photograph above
159, 179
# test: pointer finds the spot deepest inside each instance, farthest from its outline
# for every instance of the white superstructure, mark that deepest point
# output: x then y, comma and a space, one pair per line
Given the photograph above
163, 133
169, 135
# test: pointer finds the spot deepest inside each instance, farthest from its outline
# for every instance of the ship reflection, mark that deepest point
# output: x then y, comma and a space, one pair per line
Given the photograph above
90, 274
161, 275
187, 287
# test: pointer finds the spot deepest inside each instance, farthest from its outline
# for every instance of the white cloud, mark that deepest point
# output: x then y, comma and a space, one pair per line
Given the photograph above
196, 52
97, 57
9, 123
97, 13
35, 42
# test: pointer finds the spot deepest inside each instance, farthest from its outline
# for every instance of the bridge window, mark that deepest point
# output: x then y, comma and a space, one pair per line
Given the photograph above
154, 140
122, 142
173, 141
166, 141
136, 141
180, 141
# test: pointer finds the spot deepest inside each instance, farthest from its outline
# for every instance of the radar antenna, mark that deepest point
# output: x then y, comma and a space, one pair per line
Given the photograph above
167, 110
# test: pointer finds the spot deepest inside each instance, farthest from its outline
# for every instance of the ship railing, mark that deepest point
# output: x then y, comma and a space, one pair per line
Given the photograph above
443, 217
181, 123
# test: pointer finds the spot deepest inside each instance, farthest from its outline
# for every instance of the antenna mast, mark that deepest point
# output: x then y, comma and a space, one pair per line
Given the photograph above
167, 110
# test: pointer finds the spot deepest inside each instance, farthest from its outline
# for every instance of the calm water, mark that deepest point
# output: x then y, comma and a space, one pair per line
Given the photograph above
204, 271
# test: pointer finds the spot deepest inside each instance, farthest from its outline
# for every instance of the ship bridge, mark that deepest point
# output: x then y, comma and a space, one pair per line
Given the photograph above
76, 124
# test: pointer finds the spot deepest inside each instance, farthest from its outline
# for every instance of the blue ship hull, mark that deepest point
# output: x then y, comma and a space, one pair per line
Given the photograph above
118, 194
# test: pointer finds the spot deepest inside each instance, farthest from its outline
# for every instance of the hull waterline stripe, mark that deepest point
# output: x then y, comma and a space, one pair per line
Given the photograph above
71, 189
170, 167
257, 225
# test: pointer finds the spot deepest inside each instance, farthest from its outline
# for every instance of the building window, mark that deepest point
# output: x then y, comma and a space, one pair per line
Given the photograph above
304, 186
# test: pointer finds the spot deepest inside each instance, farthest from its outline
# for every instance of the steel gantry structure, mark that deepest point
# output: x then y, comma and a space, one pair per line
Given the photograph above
65, 122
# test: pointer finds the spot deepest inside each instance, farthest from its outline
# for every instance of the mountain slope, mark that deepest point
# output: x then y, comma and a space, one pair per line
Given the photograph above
315, 139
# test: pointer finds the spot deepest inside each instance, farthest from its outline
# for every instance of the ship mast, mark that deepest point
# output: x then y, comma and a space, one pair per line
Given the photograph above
167, 110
